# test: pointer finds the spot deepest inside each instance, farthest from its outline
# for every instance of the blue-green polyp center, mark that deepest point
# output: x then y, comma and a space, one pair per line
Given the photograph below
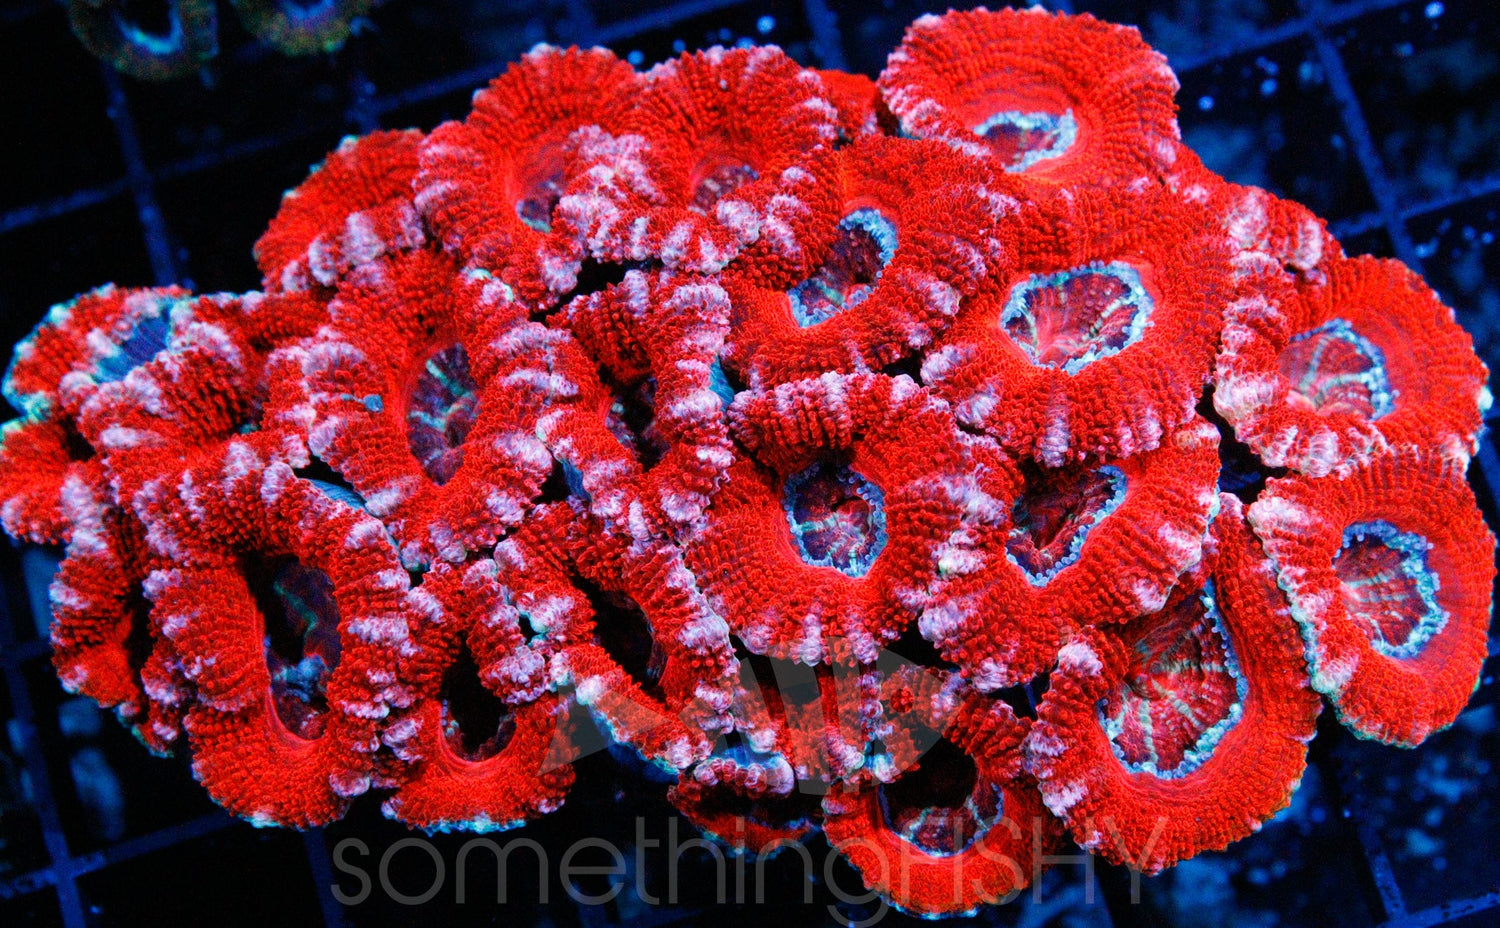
1389, 588
1072, 318
1054, 513
309, 14
146, 338
153, 28
864, 245
1337, 370
301, 619
942, 806
1021, 139
1183, 689
837, 517
443, 406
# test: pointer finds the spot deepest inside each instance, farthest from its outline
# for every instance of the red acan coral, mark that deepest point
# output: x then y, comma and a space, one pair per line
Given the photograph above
1100, 337
730, 805
174, 414
679, 406
1073, 546
100, 630
1390, 572
663, 335
354, 208
821, 544
288, 617
385, 396
660, 673
490, 185
712, 149
86, 357
96, 338
104, 644
1262, 227
751, 791
857, 101
1064, 99
40, 459
1185, 729
912, 233
1366, 360
960, 830
482, 731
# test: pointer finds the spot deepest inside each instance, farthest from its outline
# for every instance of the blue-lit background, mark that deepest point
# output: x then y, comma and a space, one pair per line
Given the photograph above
1381, 115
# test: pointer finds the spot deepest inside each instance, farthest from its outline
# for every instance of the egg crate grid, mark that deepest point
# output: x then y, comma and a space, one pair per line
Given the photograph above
1381, 115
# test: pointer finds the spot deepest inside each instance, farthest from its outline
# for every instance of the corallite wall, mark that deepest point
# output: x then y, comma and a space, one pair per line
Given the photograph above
1381, 116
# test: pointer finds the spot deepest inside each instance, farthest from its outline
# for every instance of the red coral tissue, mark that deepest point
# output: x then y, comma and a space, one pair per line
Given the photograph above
947, 461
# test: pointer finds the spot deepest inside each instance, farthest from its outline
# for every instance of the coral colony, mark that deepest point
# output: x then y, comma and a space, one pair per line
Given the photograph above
632, 383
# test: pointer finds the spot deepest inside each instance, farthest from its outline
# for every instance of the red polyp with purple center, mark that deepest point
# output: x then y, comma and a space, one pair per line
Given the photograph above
1389, 590
865, 244
837, 517
1072, 318
1183, 689
442, 408
1335, 369
302, 640
1054, 513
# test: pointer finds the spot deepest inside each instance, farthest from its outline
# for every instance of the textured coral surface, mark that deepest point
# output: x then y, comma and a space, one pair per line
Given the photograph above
674, 407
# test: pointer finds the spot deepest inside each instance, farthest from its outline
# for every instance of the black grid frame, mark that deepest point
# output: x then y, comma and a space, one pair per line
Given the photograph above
147, 203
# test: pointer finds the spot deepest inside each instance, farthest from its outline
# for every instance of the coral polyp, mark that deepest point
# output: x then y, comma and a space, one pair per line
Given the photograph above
123, 36
673, 405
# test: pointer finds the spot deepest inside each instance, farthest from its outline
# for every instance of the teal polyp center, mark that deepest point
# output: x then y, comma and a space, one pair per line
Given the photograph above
1182, 692
302, 648
942, 806
1020, 139
161, 44
1336, 369
1070, 319
444, 404
865, 244
147, 336
1054, 514
837, 517
1389, 589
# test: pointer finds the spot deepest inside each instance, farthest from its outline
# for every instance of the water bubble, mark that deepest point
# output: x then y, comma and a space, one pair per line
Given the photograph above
765, 24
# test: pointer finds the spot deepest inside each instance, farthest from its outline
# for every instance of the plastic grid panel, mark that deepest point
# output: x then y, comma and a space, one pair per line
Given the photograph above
144, 187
